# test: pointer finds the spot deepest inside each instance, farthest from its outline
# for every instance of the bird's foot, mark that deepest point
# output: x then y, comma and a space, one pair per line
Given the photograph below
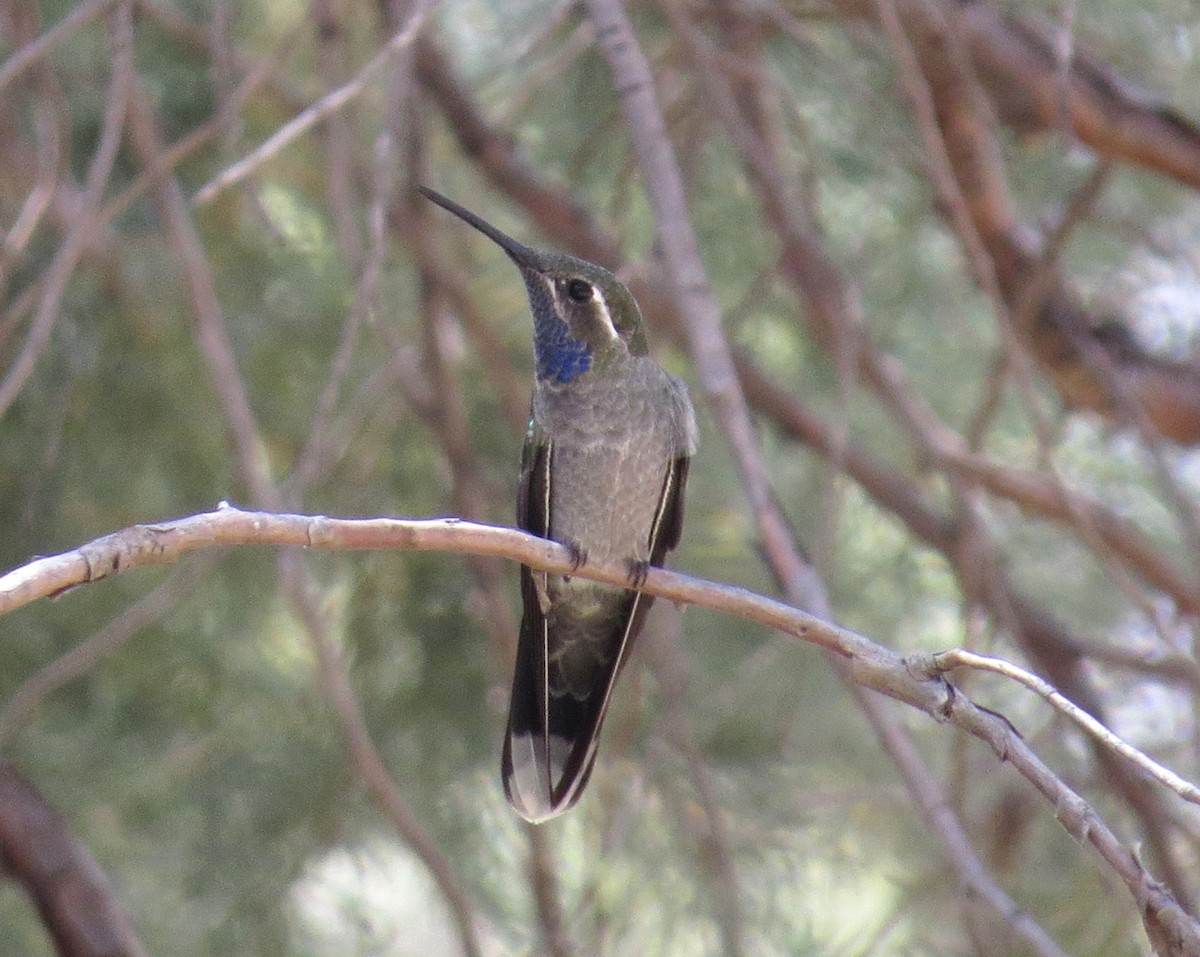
638, 570
578, 556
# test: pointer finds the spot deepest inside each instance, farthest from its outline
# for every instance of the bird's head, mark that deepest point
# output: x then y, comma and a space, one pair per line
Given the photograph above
583, 316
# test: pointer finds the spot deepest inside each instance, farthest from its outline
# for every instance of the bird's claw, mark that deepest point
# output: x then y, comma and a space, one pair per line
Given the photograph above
578, 557
638, 570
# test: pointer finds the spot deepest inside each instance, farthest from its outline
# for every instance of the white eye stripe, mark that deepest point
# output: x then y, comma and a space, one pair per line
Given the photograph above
608, 323
565, 301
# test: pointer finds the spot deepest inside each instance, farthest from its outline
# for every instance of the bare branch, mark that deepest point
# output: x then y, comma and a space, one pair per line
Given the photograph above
863, 661
946, 661
66, 884
693, 295
63, 266
332, 101
87, 654
30, 53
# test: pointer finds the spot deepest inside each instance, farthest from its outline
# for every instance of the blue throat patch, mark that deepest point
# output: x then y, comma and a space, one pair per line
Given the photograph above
560, 357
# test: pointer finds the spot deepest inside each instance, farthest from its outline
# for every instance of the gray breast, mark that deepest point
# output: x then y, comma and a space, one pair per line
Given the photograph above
613, 441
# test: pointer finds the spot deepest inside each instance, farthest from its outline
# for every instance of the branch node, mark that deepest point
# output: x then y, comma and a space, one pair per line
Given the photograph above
925, 666
1075, 814
947, 708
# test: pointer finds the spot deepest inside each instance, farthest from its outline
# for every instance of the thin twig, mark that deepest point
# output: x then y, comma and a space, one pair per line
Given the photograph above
709, 828
211, 333
102, 643
947, 661
334, 100
73, 245
200, 136
30, 53
547, 895
940, 815
366, 300
339, 139
364, 756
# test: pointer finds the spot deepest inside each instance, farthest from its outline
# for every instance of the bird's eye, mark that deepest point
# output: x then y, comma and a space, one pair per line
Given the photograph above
579, 290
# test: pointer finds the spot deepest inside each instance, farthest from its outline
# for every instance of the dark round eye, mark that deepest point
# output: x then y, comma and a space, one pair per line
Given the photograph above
579, 290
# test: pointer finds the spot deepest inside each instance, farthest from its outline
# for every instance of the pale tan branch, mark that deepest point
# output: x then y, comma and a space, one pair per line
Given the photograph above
693, 294
868, 664
947, 661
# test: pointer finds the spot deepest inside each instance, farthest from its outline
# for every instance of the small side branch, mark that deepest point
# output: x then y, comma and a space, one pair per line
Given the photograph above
947, 661
328, 104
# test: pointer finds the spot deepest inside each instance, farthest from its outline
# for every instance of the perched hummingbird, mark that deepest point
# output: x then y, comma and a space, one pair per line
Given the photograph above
603, 470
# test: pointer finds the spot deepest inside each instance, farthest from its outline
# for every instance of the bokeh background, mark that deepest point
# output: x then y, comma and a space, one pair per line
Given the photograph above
955, 250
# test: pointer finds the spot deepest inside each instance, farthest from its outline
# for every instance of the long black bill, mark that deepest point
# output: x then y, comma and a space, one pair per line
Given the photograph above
519, 253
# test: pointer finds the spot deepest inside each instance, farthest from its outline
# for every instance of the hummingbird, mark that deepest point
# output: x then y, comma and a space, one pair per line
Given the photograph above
603, 470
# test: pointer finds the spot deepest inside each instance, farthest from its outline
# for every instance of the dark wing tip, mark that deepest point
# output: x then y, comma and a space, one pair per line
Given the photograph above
529, 768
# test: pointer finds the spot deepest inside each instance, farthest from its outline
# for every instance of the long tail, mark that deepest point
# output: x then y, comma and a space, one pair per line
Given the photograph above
561, 690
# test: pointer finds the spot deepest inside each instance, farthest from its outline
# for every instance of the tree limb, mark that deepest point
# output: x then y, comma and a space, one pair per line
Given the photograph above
71, 893
868, 664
